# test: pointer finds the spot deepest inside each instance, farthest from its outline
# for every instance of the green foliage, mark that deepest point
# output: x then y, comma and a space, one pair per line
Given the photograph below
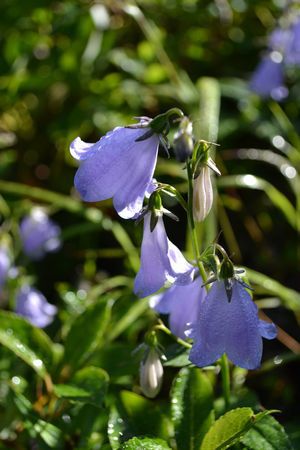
27, 342
145, 444
192, 408
230, 428
89, 385
267, 434
86, 333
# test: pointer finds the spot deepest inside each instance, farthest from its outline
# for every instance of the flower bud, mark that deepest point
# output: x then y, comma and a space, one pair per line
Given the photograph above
203, 195
183, 143
151, 373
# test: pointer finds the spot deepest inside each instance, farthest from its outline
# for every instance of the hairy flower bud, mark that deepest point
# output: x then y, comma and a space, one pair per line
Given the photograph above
151, 373
203, 195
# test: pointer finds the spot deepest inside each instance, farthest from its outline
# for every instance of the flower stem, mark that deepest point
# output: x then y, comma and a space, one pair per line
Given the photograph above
161, 326
225, 380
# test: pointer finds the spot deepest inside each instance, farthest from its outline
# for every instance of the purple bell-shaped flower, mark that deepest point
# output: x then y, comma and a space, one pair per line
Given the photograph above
268, 78
31, 304
39, 234
119, 166
232, 327
161, 261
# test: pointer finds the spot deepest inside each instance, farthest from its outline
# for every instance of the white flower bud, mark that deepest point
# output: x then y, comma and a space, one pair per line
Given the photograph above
203, 195
151, 374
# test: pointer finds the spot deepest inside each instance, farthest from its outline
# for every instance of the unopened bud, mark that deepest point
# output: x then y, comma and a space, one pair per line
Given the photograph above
151, 373
183, 143
203, 195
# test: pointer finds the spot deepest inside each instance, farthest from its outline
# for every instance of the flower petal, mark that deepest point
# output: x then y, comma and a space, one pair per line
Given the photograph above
31, 304
243, 343
227, 327
267, 80
180, 271
267, 329
152, 274
81, 150
161, 261
120, 167
182, 303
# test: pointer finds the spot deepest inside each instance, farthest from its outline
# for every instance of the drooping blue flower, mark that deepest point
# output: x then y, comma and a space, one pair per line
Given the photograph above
229, 327
292, 54
161, 261
117, 166
39, 234
268, 78
5, 265
31, 304
182, 303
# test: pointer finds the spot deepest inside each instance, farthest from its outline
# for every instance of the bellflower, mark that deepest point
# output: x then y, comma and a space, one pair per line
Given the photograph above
31, 304
161, 261
39, 234
230, 327
118, 166
292, 55
4, 265
182, 304
268, 78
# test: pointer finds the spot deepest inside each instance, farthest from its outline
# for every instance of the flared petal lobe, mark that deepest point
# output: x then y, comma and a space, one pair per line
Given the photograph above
39, 234
182, 303
116, 166
161, 261
229, 327
31, 304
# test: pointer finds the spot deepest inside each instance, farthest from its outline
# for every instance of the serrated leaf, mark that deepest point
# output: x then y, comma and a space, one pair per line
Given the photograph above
267, 434
86, 334
145, 444
89, 385
191, 408
228, 429
29, 343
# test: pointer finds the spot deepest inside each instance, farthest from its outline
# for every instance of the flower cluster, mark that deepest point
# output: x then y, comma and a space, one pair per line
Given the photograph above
38, 235
224, 319
283, 51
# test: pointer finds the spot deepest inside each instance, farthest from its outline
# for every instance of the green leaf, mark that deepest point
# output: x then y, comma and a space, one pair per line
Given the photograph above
89, 385
137, 309
177, 356
267, 434
37, 428
86, 334
279, 200
145, 444
228, 429
144, 417
192, 408
231, 427
290, 298
29, 343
